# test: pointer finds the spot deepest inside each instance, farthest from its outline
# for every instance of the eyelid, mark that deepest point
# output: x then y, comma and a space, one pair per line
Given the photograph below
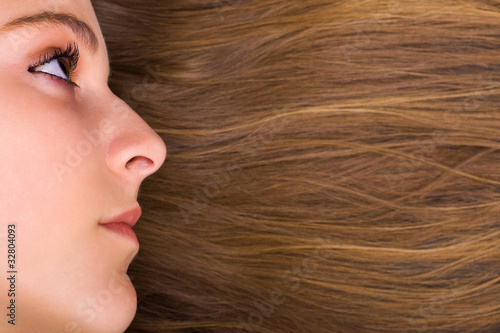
67, 82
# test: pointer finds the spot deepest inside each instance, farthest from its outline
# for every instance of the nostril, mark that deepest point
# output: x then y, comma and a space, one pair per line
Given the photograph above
139, 163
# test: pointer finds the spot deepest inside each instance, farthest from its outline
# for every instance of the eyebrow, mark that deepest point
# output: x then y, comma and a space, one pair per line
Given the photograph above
81, 29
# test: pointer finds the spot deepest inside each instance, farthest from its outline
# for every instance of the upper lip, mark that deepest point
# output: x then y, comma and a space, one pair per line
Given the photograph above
128, 217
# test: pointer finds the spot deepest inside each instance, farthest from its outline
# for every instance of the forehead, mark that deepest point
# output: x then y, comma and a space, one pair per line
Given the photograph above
81, 9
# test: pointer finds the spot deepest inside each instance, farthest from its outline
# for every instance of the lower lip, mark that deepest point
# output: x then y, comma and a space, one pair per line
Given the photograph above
122, 229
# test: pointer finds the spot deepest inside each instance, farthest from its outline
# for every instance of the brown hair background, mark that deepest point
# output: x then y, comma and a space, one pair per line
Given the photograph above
333, 166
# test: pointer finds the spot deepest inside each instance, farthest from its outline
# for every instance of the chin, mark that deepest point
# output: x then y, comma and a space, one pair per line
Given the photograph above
120, 314
118, 308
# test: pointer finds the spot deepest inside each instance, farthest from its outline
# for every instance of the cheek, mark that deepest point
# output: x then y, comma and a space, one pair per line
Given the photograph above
33, 133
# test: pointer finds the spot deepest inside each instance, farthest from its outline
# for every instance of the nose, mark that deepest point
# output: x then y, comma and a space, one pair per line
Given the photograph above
133, 149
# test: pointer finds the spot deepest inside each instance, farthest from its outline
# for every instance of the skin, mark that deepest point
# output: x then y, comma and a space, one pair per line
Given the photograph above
71, 157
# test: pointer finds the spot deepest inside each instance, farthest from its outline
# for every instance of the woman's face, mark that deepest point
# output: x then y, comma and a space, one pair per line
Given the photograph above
72, 157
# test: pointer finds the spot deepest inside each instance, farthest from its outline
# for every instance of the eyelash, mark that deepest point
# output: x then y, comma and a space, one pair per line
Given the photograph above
71, 52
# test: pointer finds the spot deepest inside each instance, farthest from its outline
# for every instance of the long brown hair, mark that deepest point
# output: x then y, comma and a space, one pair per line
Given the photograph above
333, 166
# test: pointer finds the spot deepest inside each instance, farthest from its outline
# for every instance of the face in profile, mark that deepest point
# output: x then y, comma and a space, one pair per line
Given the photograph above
73, 158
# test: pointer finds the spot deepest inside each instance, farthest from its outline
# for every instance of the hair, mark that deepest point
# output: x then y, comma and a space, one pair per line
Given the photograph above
333, 166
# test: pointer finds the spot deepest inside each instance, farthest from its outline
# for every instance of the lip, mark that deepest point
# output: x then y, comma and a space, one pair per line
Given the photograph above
122, 229
122, 223
128, 217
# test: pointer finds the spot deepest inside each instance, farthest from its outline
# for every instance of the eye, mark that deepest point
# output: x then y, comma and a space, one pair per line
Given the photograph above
61, 64
58, 67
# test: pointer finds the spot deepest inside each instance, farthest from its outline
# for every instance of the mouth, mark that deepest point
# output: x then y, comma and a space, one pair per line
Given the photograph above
122, 224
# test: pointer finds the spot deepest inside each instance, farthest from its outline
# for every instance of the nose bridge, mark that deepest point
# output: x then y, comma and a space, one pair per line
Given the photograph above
133, 148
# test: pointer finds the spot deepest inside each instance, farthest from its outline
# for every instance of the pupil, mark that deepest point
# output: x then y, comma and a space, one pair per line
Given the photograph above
63, 67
